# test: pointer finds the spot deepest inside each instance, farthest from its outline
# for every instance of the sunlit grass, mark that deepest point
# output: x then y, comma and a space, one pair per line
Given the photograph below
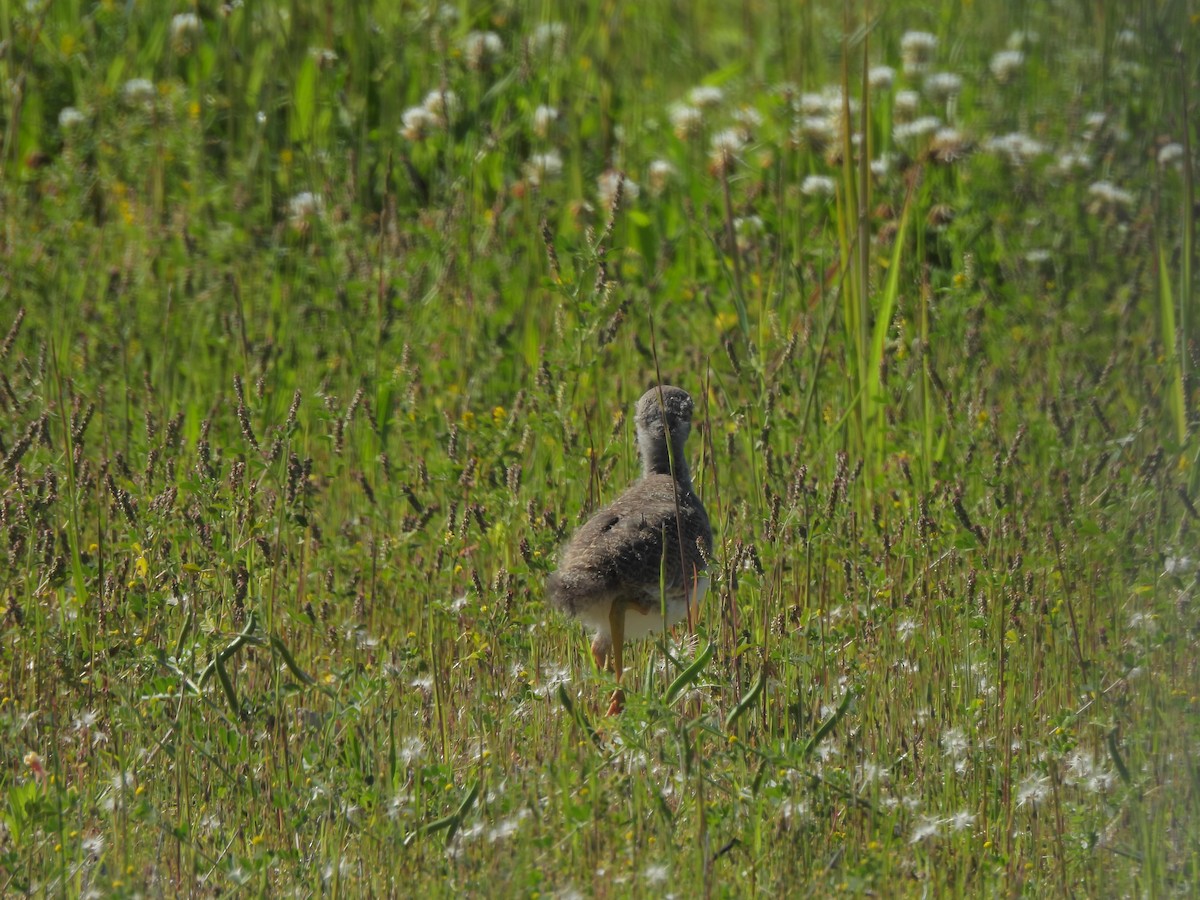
321, 331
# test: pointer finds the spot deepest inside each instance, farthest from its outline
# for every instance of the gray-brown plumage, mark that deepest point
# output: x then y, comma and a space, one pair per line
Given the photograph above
634, 568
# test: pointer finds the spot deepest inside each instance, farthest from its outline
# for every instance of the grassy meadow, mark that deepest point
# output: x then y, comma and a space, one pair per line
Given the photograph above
320, 329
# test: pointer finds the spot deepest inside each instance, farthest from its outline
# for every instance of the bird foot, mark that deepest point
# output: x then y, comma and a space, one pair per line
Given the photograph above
617, 705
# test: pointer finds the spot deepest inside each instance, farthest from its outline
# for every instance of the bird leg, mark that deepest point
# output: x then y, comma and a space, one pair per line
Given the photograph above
600, 651
616, 624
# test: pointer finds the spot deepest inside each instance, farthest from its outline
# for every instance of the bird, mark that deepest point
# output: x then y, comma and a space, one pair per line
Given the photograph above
637, 566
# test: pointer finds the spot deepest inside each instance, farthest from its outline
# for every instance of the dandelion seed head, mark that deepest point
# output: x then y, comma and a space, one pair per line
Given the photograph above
1033, 790
93, 846
1179, 565
926, 828
954, 743
961, 820
1168, 155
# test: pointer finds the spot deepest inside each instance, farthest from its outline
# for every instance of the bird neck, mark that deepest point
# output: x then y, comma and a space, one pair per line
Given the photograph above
658, 460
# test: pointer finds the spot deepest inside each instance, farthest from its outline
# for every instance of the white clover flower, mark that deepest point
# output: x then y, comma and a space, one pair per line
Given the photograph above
544, 118
442, 104
543, 167
1127, 37
1179, 565
941, 86
659, 175
482, 48
1071, 161
727, 141
818, 186
815, 131
323, 55
549, 37
724, 148
748, 118
1017, 148
612, 182
881, 168
304, 206
185, 24
1019, 40
705, 96
905, 105
748, 225
1038, 256
417, 123
919, 128
905, 629
1006, 64
811, 104
1109, 195
948, 145
686, 120
916, 51
69, 118
881, 78
1092, 123
1168, 155
138, 91
656, 873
